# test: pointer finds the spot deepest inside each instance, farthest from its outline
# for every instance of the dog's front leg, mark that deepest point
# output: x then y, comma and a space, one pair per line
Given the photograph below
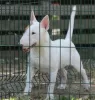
29, 76
50, 91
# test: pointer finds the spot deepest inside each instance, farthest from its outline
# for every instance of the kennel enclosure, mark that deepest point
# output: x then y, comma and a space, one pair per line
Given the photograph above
14, 17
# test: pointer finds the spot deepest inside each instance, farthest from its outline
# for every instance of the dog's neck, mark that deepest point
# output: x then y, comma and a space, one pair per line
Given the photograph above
43, 47
45, 41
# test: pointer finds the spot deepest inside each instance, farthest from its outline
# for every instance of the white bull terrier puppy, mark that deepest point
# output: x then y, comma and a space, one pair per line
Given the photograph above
47, 55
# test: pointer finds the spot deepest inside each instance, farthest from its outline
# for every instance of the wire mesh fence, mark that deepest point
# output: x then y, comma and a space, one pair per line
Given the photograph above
14, 17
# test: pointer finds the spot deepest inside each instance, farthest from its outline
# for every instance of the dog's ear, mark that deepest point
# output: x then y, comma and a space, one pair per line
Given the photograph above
32, 17
45, 22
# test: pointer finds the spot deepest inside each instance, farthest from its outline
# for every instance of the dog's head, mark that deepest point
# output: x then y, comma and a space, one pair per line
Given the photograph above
34, 33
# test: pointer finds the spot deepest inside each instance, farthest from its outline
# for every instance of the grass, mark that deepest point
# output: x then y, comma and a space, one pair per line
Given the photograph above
22, 97
19, 98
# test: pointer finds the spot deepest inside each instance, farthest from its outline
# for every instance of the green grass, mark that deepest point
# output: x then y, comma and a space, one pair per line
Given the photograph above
19, 98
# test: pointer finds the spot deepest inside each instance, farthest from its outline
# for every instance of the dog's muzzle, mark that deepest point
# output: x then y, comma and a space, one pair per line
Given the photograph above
25, 49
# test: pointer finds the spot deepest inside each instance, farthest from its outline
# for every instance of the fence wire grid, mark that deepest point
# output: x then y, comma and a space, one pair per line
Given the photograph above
14, 18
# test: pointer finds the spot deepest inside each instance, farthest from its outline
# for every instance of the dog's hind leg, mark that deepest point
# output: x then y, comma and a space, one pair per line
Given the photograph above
79, 67
63, 76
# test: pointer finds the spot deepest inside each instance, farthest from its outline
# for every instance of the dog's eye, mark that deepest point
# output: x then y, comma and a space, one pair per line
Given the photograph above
33, 33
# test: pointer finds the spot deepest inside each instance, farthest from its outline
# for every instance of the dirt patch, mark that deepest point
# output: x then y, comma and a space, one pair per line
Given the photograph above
12, 82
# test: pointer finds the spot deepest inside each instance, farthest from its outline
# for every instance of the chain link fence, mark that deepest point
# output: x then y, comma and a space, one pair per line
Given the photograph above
15, 16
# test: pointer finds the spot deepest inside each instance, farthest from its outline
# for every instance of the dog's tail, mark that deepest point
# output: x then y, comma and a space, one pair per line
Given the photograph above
71, 24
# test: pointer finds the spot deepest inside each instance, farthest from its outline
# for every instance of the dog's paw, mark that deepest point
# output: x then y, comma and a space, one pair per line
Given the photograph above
25, 93
86, 86
49, 97
27, 90
62, 86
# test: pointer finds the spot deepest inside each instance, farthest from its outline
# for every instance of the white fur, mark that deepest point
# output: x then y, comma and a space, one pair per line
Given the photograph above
48, 55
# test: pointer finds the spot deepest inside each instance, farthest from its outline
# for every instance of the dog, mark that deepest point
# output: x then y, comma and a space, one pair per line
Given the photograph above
49, 56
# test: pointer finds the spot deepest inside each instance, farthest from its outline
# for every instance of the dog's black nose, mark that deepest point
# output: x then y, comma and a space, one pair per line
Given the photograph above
20, 44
